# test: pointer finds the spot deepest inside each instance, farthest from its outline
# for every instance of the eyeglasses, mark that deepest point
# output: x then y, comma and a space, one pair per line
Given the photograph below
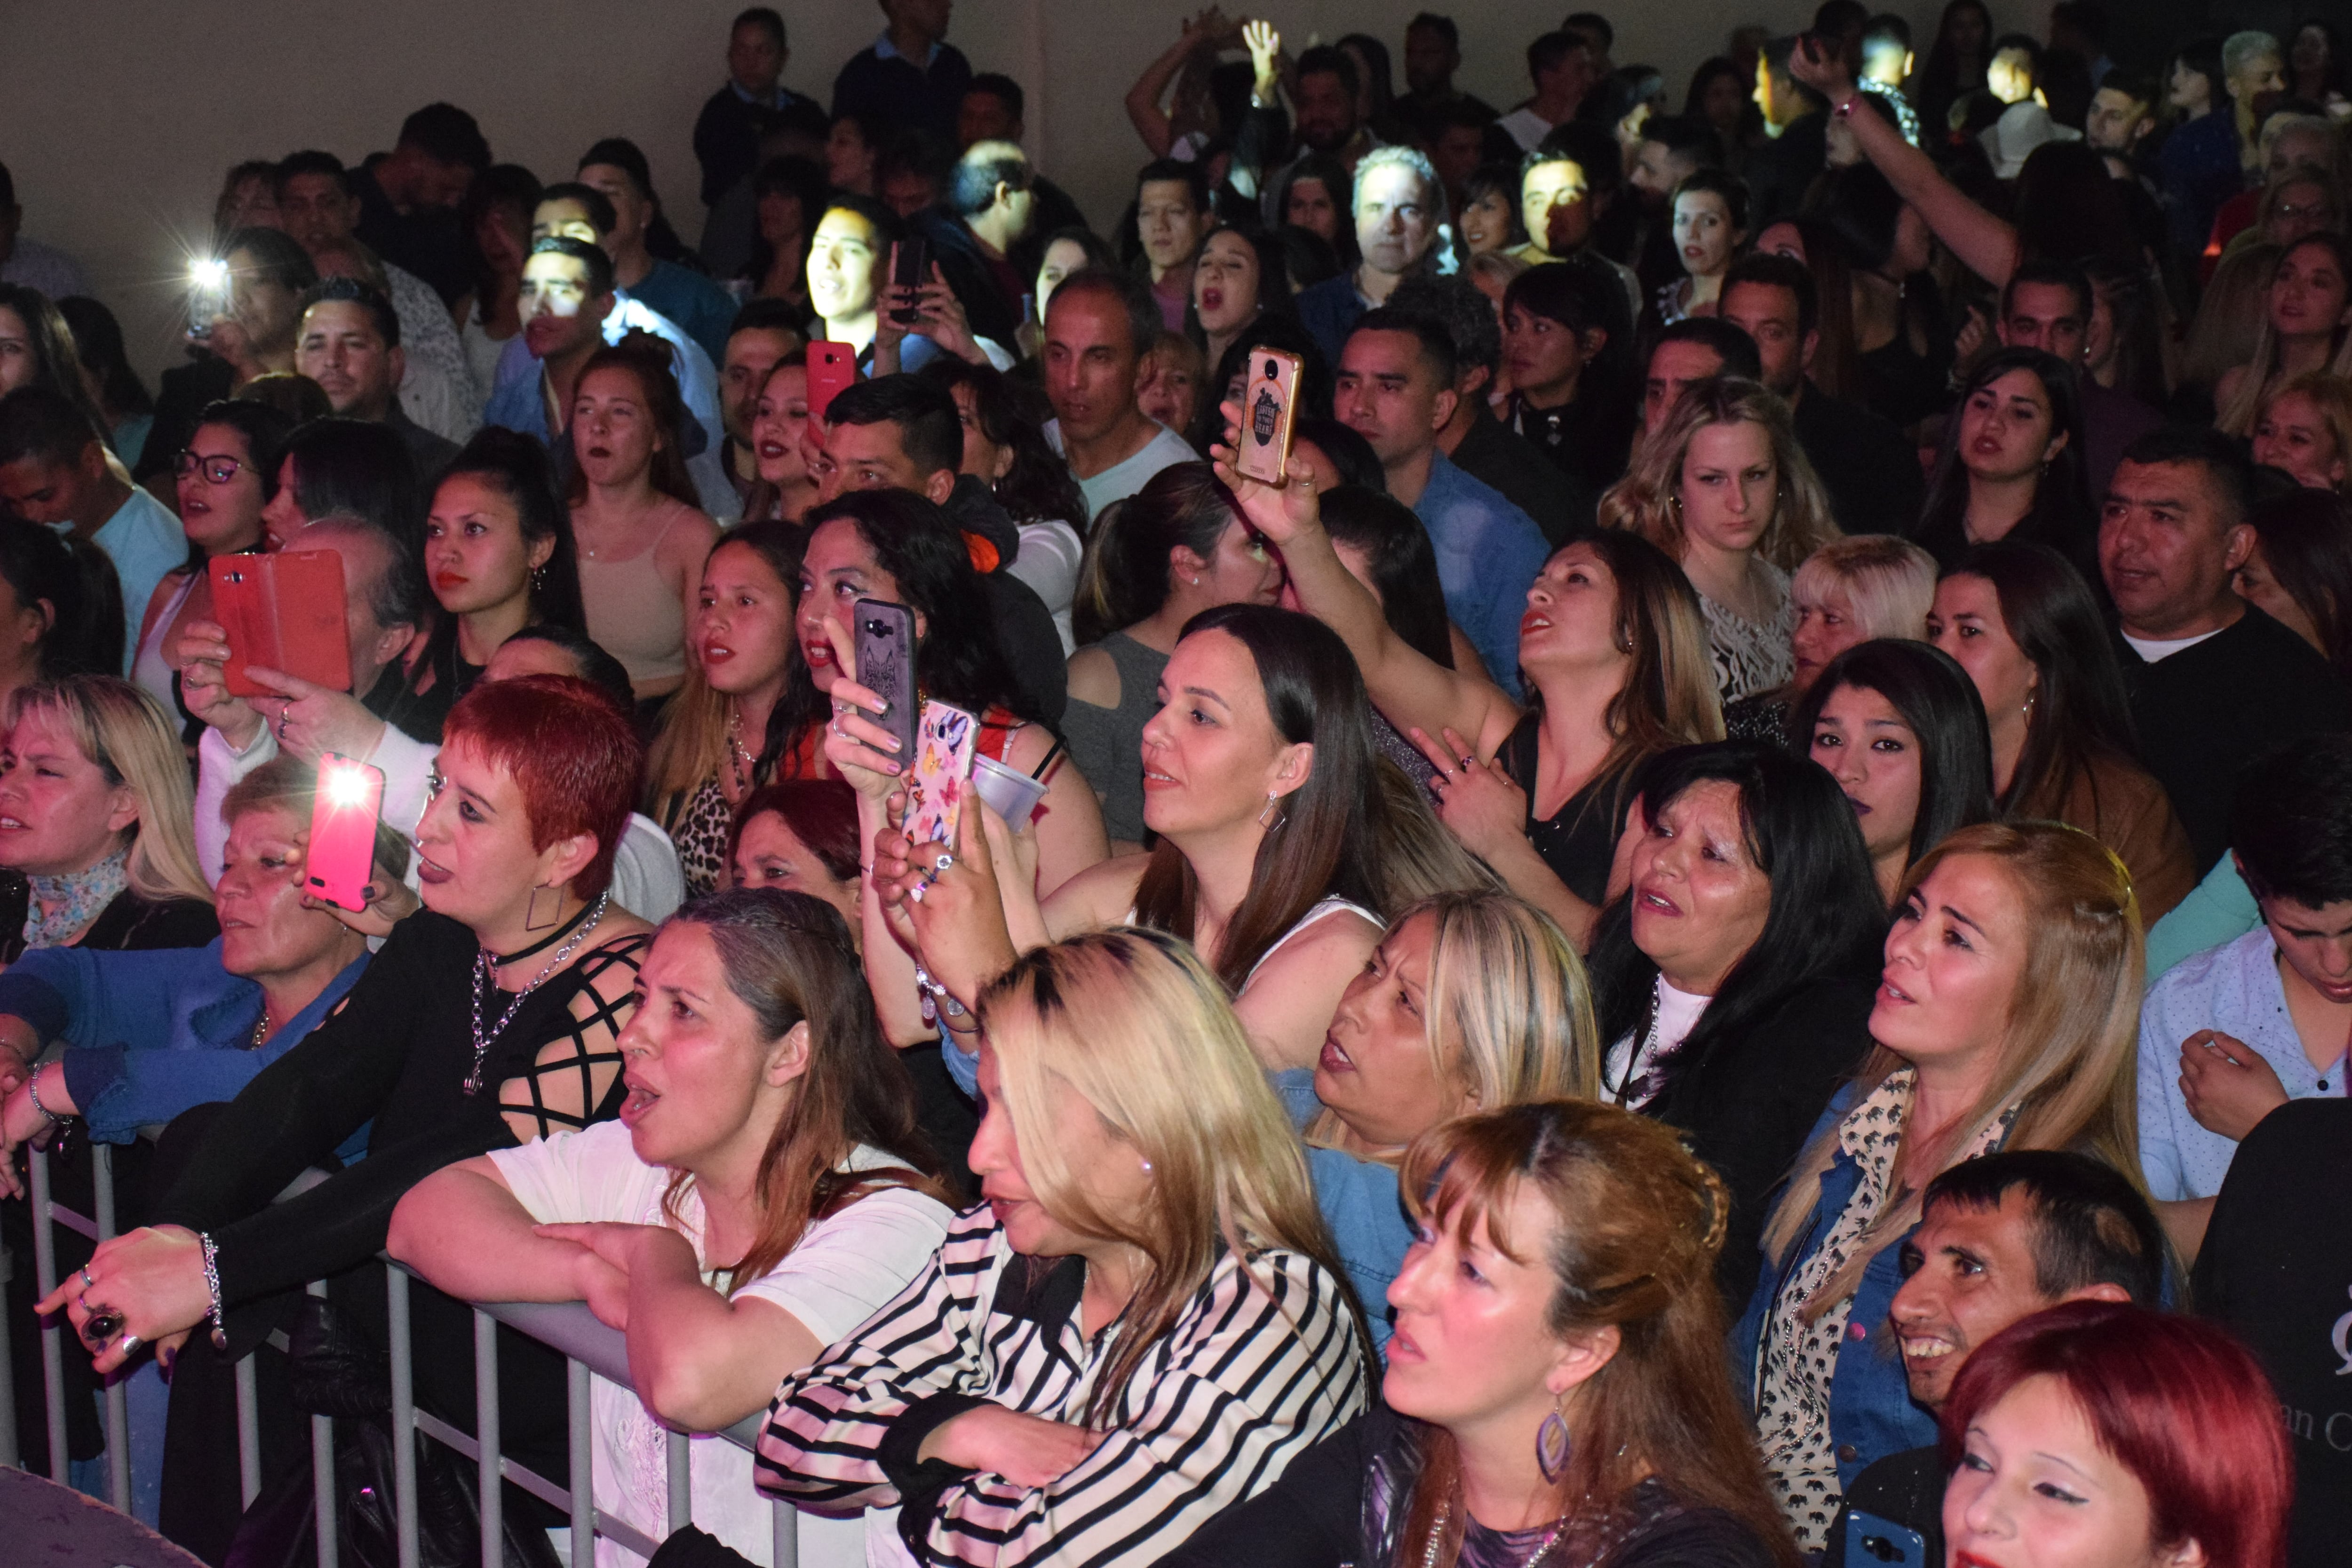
219, 470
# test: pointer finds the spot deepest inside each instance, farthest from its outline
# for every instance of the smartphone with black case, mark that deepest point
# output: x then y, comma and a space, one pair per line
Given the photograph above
884, 638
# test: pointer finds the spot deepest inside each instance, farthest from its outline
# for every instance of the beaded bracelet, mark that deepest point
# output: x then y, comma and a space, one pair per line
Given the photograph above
212, 1288
32, 1089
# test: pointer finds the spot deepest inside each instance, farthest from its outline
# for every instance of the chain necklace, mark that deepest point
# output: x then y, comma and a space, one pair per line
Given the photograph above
1445, 1513
738, 761
261, 1026
485, 979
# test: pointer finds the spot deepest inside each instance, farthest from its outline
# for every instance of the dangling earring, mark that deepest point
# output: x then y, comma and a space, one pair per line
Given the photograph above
538, 579
2028, 709
530, 920
1552, 1446
1272, 803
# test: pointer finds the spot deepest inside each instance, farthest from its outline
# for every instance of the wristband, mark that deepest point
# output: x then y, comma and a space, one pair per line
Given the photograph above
212, 1287
1845, 110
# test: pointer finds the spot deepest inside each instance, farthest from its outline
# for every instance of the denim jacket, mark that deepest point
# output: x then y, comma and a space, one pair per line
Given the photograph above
1871, 1412
150, 1033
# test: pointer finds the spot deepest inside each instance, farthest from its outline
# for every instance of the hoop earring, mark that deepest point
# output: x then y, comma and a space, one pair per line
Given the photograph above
1272, 805
530, 920
1552, 1446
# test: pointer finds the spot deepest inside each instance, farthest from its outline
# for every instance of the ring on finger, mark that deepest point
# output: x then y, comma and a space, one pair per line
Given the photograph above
922, 885
86, 1283
1469, 762
132, 1342
941, 865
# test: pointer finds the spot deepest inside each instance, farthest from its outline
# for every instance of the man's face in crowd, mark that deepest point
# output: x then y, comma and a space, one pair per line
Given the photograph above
1572, 76
1389, 395
1769, 316
341, 350
1658, 170
1557, 206
874, 457
1396, 220
314, 209
1673, 366
1092, 362
928, 18
984, 117
266, 309
1885, 62
844, 256
2316, 944
752, 353
633, 210
2117, 120
2046, 316
559, 314
563, 218
755, 59
1327, 112
2168, 546
1169, 222
1456, 153
1429, 62
1969, 1275
38, 490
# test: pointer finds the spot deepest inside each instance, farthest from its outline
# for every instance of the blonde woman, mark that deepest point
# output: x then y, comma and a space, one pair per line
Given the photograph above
96, 823
1471, 1002
2304, 430
1725, 489
2006, 1019
1140, 1174
2306, 327
1852, 590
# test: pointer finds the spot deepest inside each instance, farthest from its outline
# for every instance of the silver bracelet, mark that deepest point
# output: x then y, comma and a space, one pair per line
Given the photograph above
33, 1088
212, 1287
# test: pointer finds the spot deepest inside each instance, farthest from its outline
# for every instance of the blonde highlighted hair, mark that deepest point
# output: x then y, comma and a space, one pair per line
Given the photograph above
1132, 1021
2331, 396
1889, 584
2070, 1044
1648, 500
2237, 416
125, 734
1507, 1012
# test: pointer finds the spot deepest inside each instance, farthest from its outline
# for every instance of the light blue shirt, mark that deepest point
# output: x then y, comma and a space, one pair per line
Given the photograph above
1488, 551
144, 541
1120, 481
2234, 988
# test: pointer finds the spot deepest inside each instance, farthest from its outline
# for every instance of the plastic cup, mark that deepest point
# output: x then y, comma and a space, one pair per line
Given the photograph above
1011, 793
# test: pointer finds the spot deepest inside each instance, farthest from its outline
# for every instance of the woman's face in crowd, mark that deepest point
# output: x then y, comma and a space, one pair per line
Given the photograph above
57, 812
2188, 89
1375, 1069
1572, 618
2308, 293
2294, 436
1728, 484
221, 518
265, 930
1473, 1343
1967, 623
695, 1057
1725, 100
769, 854
782, 224
1543, 355
848, 158
777, 421
1700, 900
2007, 428
613, 433
1704, 234
502, 234
2258, 583
1954, 961
1967, 28
17, 365
1310, 207
982, 457
1240, 571
1487, 223
1782, 239
474, 862
473, 546
2302, 209
1225, 283
1212, 754
282, 518
836, 571
1100, 1163
843, 257
1171, 394
1869, 748
1826, 627
1168, 222
2036, 1489
2010, 76
1062, 257
742, 631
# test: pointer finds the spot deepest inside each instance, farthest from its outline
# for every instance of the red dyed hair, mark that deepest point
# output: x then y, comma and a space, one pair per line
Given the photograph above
2178, 1402
571, 751
821, 814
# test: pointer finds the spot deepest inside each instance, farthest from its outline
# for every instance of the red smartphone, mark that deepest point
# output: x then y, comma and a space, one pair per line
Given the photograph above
341, 860
283, 612
832, 368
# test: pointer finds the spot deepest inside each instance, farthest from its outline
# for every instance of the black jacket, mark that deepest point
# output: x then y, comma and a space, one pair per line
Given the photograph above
1025, 632
1869, 470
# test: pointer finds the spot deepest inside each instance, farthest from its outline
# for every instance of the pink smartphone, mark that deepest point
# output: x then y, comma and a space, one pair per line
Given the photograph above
1270, 409
341, 860
942, 772
832, 369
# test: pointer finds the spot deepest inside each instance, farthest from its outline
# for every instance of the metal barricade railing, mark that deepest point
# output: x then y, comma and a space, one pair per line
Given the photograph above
590, 1350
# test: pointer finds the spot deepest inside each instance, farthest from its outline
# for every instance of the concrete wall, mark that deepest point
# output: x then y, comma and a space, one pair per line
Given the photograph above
119, 116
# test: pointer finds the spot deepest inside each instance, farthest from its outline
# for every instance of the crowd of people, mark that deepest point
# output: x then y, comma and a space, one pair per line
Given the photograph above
1718, 935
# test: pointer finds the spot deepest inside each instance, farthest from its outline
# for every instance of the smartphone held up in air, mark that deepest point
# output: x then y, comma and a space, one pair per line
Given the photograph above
832, 370
341, 860
208, 295
941, 776
910, 267
1269, 412
282, 612
882, 635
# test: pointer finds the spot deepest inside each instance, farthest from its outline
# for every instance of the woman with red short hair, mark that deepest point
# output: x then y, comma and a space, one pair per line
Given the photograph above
2102, 1433
489, 1019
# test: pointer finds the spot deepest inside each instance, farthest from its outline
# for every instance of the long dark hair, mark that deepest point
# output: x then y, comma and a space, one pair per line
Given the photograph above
1038, 487
1124, 578
2081, 714
2062, 507
788, 959
1936, 697
264, 430
1328, 842
1939, 78
98, 342
1827, 920
41, 568
517, 468
2306, 537
56, 365
357, 468
1402, 561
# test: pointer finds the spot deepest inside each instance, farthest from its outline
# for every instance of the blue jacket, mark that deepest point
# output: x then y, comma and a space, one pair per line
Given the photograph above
151, 1034
1871, 1413
1488, 550
1330, 311
1360, 1202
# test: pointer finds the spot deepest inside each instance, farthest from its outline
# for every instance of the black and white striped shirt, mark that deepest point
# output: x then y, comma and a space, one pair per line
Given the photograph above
1263, 1362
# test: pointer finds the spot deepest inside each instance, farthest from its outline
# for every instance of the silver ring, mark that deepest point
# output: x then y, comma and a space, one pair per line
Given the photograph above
86, 1283
132, 1342
1469, 762
941, 865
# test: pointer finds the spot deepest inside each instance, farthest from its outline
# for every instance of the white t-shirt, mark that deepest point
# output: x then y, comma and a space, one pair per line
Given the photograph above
1635, 1064
1048, 562
1526, 127
845, 1269
2152, 650
1121, 480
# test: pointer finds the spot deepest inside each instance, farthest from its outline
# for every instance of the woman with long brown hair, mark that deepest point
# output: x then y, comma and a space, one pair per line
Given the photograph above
763, 1191
1555, 1390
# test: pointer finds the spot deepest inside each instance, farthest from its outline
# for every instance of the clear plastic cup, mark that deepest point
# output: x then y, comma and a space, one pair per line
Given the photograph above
1010, 793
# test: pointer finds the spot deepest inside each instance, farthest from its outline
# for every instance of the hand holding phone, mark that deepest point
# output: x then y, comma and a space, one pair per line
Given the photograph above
884, 636
1269, 414
832, 370
282, 612
941, 778
341, 860
911, 268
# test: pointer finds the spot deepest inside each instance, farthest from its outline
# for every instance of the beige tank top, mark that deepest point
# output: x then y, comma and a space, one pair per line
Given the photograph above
632, 615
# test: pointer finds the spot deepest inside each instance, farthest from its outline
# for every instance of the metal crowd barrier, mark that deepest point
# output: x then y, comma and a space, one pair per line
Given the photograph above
588, 1347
